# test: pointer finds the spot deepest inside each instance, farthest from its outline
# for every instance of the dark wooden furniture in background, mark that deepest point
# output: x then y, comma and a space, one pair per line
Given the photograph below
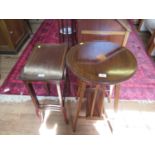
13, 33
149, 26
47, 64
67, 31
100, 63
151, 44
103, 29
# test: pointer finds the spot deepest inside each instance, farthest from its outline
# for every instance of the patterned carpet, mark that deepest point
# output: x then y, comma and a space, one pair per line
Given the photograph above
140, 87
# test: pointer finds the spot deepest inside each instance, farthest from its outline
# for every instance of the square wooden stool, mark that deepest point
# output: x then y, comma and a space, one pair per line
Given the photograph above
46, 63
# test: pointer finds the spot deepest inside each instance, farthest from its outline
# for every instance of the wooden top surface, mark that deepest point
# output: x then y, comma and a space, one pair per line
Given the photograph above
46, 62
101, 62
102, 25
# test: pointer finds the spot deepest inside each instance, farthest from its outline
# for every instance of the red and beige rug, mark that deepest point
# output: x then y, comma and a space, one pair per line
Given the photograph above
140, 87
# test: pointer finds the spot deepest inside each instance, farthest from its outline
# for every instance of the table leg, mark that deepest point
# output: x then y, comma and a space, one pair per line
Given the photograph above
111, 87
47, 87
125, 38
116, 96
79, 89
103, 112
33, 97
94, 100
61, 101
81, 95
102, 103
67, 89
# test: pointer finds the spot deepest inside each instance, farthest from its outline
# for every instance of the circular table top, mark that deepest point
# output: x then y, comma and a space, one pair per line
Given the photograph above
101, 62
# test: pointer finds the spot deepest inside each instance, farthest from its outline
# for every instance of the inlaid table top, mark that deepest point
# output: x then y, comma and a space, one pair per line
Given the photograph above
101, 62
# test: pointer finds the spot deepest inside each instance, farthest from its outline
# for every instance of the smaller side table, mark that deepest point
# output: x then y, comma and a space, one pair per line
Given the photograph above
46, 63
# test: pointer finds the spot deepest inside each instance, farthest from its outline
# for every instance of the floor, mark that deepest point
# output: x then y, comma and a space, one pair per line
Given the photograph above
17, 114
17, 117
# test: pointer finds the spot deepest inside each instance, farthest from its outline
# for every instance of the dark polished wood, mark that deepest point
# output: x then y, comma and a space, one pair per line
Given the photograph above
96, 109
151, 44
13, 33
46, 63
103, 29
83, 87
67, 31
100, 63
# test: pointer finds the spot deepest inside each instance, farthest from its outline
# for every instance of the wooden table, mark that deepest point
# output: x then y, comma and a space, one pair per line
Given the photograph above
100, 63
46, 63
103, 29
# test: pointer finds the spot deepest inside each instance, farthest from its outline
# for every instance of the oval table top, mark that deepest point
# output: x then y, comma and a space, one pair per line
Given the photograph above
101, 62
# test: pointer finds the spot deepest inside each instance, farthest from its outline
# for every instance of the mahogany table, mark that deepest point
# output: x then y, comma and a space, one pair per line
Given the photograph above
46, 63
100, 63
112, 30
